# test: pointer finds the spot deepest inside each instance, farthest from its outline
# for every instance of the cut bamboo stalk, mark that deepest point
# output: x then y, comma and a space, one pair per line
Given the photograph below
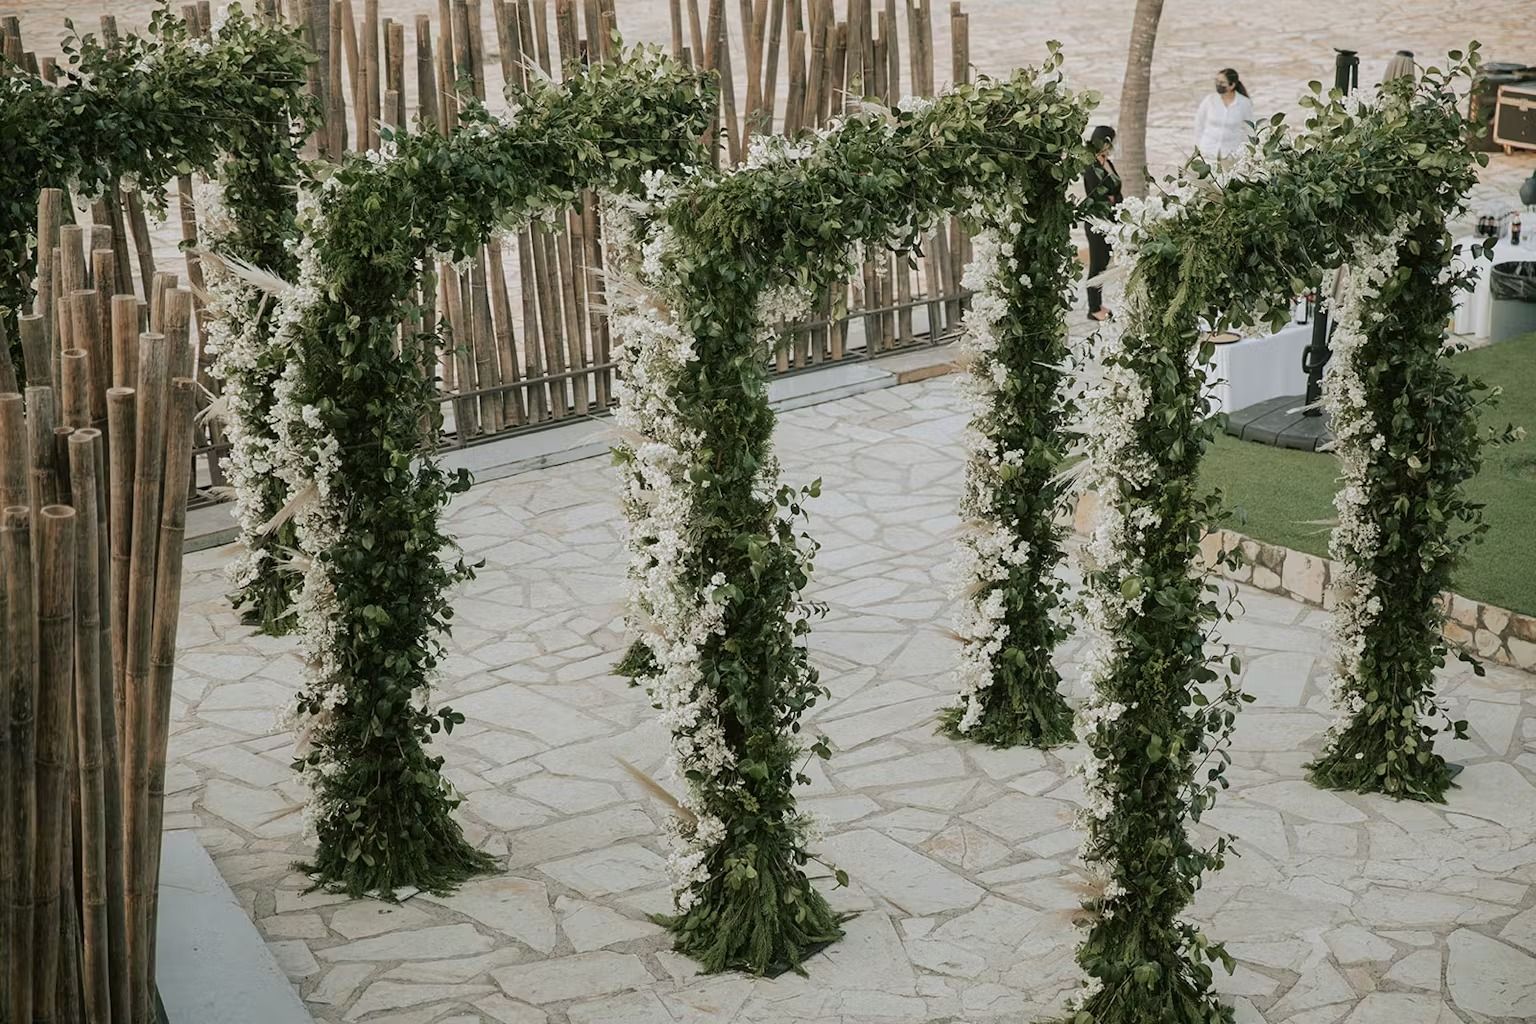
149, 447
8, 381
476, 48
397, 73
21, 685
125, 341
142, 245
50, 202
9, 795
77, 388
551, 317
357, 74
164, 281
181, 408
13, 454
85, 321
487, 364
61, 464
447, 84
56, 667
42, 417
753, 28
36, 360
730, 122
506, 338
72, 271
780, 22
371, 68
121, 406
538, 394
175, 324
596, 303
710, 55
426, 77
573, 332
677, 28
104, 264
565, 35
336, 100
94, 824
541, 35
319, 19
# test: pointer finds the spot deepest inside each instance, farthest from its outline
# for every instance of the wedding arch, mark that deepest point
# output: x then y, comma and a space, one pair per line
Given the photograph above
715, 264
1368, 185
356, 422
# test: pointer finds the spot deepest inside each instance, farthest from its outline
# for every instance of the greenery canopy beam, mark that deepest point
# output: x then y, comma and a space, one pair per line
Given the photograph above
146, 108
1223, 249
718, 262
357, 417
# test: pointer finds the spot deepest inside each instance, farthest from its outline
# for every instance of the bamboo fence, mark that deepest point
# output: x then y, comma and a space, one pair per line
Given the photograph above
527, 340
94, 486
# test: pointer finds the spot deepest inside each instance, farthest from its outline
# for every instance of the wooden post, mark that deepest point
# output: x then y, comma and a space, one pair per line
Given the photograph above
121, 418
21, 685
336, 99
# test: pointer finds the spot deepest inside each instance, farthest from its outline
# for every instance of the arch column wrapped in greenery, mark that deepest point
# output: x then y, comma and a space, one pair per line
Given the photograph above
1224, 250
356, 426
717, 263
1405, 424
148, 109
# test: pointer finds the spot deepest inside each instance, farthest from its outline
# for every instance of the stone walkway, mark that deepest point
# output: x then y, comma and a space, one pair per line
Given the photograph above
1341, 909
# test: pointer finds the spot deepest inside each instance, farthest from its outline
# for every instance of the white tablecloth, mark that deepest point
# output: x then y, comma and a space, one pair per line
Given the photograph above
1249, 371
1473, 308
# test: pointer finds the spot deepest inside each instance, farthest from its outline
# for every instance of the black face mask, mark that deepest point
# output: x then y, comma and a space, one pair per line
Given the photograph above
1222, 88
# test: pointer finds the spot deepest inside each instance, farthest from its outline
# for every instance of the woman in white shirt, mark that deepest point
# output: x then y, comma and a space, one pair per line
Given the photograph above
1222, 122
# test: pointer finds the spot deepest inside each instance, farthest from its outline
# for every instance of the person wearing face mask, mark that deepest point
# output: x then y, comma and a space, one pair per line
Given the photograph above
1101, 182
1223, 119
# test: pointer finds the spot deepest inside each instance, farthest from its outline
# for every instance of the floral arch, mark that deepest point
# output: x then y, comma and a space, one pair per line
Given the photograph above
1368, 186
715, 263
356, 423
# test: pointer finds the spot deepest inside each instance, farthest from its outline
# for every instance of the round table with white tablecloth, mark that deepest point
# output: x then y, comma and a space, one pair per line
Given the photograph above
1251, 370
1474, 308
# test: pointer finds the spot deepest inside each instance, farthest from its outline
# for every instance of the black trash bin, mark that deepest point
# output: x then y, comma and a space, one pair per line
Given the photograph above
1512, 289
1485, 96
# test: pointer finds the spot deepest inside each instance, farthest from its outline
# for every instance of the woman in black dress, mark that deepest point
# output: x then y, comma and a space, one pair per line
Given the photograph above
1102, 182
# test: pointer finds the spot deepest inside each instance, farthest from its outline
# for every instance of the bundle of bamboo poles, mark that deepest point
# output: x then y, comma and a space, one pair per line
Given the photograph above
95, 460
528, 338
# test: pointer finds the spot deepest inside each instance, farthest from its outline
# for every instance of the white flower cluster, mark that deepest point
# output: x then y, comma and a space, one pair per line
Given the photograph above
1358, 443
238, 349
307, 458
989, 550
673, 593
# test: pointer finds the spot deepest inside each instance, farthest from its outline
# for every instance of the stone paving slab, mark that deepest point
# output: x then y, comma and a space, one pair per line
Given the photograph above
1341, 908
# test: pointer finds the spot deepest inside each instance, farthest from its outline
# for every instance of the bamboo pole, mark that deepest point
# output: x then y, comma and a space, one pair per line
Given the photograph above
50, 202
121, 418
104, 268
36, 360
181, 408
55, 660
21, 685
95, 826
9, 791
125, 341
149, 463
77, 388
143, 247
426, 79
42, 417
13, 451
371, 69
336, 100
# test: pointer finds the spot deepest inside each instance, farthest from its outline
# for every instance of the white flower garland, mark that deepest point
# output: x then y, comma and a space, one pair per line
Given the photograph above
306, 458
1357, 442
237, 347
988, 551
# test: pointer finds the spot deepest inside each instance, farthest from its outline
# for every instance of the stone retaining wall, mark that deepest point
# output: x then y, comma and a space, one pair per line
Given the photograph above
1492, 633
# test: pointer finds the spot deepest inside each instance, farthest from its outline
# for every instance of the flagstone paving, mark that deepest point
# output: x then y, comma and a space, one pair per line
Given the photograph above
963, 859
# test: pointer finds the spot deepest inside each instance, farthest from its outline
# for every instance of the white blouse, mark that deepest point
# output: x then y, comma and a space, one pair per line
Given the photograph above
1222, 129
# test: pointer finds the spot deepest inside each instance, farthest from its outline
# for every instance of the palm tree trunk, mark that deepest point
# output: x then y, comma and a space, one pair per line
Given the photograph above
1135, 91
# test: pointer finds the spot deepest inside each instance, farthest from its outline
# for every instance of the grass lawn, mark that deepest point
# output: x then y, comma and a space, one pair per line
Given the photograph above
1280, 494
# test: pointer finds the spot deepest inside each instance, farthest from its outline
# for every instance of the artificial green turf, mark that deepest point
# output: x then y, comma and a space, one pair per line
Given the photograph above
1279, 495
